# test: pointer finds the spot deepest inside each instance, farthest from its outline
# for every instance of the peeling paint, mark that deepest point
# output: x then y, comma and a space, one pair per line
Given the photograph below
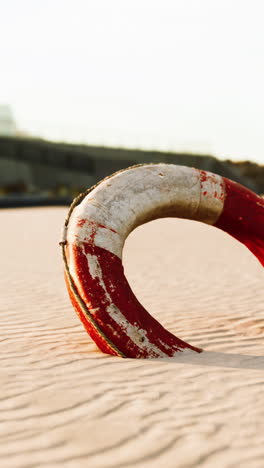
98, 228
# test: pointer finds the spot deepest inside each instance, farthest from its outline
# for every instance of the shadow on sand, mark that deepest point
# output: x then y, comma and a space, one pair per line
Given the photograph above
216, 359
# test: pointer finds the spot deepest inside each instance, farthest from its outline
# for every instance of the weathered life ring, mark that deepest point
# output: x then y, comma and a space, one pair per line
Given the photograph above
100, 220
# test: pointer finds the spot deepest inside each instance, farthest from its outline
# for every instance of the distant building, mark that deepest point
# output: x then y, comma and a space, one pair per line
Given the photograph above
42, 166
7, 122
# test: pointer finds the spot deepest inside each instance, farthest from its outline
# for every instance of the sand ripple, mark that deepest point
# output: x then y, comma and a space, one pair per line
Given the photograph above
63, 403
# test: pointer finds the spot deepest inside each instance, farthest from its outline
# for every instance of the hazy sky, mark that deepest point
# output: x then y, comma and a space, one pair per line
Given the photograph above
174, 75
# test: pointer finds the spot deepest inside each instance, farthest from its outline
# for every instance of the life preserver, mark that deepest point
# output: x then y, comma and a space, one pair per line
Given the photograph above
100, 220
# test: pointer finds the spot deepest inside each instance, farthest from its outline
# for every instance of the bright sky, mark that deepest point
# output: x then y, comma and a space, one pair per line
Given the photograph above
165, 74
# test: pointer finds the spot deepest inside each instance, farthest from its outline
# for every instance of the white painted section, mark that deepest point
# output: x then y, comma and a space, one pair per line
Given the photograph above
212, 197
138, 195
132, 331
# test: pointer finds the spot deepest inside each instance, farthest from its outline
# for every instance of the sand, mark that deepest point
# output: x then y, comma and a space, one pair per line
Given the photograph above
65, 404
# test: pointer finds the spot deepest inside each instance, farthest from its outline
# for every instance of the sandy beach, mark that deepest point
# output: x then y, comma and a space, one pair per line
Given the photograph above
65, 404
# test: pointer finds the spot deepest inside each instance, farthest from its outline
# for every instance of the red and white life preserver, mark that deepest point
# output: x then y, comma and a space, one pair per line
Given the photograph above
99, 223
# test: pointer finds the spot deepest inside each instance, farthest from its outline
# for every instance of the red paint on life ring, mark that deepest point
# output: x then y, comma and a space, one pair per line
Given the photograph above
124, 299
243, 217
98, 225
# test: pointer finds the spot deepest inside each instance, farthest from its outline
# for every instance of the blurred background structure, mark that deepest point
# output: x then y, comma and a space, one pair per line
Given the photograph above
39, 172
7, 121
119, 83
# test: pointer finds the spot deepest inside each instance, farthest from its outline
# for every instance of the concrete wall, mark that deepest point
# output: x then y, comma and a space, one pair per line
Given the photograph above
45, 166
12, 171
